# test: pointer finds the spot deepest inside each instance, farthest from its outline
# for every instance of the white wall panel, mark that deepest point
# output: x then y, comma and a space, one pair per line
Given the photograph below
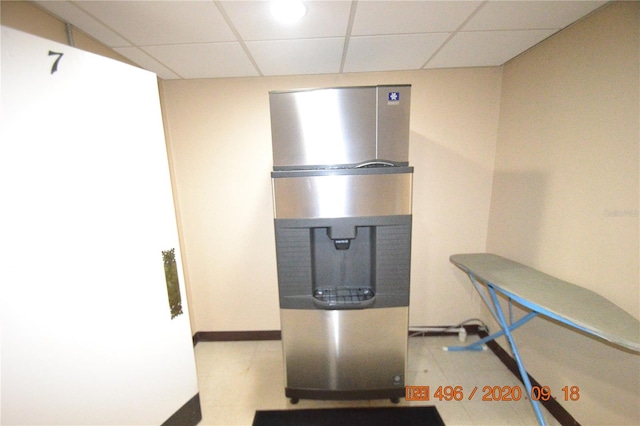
87, 209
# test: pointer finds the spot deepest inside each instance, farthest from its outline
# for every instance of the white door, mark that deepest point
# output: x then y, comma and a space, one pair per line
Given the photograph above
86, 211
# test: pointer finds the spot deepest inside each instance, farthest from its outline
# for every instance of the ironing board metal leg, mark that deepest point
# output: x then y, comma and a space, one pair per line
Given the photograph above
478, 287
478, 345
516, 355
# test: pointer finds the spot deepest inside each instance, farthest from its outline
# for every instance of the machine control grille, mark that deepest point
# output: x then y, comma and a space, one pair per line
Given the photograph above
344, 297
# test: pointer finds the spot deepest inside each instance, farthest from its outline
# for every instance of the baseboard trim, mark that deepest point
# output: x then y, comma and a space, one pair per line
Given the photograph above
228, 336
190, 414
552, 405
470, 329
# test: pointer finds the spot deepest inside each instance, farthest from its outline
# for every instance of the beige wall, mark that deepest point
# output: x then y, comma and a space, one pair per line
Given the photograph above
565, 197
220, 143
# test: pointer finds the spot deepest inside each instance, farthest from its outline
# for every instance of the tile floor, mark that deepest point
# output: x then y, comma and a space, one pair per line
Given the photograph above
237, 378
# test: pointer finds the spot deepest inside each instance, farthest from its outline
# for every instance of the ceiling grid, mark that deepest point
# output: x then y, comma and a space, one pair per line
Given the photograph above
180, 39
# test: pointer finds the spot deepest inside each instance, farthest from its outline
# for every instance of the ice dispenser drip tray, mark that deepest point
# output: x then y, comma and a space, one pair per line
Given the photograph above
344, 297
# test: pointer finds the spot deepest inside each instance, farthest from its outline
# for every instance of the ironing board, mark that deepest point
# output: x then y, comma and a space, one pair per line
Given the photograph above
543, 294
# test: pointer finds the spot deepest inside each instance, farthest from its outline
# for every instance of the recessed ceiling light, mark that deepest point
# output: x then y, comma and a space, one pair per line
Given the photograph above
288, 11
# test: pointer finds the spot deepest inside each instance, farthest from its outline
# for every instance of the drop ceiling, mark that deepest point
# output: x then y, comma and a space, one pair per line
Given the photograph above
218, 39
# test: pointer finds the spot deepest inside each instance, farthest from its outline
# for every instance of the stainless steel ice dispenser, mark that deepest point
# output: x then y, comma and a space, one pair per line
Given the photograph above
342, 213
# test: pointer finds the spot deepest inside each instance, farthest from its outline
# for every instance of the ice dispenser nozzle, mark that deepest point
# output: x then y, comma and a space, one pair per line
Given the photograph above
342, 234
342, 244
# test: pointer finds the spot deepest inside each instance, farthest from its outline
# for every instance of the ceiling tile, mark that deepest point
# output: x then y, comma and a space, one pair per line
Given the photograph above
145, 61
397, 17
485, 48
288, 57
253, 20
206, 60
389, 53
213, 38
80, 19
529, 15
162, 22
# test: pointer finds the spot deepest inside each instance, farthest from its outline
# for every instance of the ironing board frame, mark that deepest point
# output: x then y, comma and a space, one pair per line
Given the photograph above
492, 302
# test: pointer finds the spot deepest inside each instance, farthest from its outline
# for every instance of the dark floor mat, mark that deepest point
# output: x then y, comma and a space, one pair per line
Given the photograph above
382, 416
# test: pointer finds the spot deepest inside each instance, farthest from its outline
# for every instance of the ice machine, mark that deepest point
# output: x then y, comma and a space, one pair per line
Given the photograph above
342, 190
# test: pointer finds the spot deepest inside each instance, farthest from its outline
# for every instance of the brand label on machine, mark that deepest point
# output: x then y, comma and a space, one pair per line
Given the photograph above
393, 98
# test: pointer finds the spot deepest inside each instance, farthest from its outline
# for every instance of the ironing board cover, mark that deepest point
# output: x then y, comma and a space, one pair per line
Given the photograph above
569, 303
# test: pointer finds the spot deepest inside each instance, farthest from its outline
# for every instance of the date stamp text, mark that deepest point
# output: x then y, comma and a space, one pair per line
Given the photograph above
487, 393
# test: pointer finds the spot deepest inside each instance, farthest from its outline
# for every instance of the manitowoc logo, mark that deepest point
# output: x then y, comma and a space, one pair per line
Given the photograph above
393, 98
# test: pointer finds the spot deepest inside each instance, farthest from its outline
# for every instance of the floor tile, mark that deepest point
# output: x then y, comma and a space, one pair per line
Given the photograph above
237, 378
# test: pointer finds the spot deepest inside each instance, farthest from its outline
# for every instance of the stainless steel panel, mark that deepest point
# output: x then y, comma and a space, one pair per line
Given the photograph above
342, 196
345, 350
393, 123
323, 127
